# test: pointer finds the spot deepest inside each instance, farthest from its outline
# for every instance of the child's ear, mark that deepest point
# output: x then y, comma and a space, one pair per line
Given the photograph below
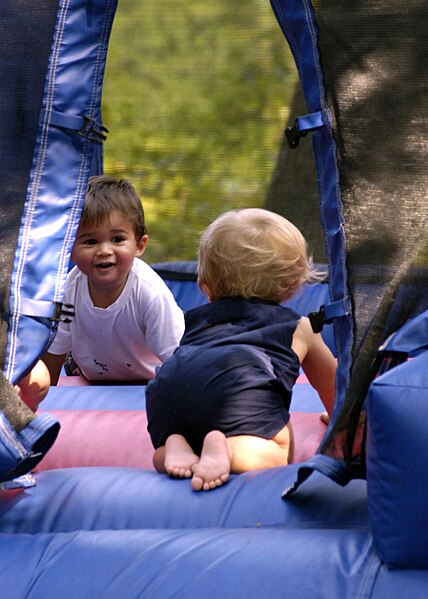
141, 246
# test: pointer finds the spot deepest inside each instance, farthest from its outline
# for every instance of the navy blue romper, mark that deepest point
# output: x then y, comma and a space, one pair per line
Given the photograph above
234, 371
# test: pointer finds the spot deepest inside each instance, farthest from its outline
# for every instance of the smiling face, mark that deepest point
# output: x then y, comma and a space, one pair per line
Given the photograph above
105, 253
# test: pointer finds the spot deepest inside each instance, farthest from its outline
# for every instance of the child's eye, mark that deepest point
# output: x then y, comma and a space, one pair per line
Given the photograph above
90, 242
117, 239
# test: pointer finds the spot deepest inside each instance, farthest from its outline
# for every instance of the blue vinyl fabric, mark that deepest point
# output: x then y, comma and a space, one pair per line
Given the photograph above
181, 280
233, 564
62, 163
21, 451
124, 397
268, 564
397, 463
118, 532
297, 21
113, 532
137, 499
412, 338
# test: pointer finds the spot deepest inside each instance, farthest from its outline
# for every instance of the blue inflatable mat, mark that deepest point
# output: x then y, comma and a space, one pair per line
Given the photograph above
208, 563
128, 397
120, 498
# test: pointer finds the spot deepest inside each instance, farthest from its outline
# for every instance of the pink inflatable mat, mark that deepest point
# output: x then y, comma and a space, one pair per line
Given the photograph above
107, 425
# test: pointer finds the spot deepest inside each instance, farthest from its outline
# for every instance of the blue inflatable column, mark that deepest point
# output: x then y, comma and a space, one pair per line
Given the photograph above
69, 130
297, 21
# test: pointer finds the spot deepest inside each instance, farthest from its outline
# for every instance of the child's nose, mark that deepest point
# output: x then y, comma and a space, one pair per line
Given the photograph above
104, 247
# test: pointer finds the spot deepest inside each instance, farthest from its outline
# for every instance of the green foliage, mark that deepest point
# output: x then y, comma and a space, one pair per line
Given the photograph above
195, 95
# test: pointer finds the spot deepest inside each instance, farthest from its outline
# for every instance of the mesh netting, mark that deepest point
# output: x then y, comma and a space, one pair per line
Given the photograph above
24, 51
293, 190
373, 57
195, 96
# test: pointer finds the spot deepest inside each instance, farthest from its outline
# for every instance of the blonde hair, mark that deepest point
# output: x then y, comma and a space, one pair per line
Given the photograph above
253, 253
105, 195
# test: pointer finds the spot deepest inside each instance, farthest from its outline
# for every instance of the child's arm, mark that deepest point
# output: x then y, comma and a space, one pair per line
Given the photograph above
34, 387
54, 364
317, 361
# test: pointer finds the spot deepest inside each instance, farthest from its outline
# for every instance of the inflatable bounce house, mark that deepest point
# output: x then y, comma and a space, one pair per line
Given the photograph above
82, 513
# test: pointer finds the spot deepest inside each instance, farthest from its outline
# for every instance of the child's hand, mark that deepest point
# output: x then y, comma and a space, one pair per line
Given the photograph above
325, 418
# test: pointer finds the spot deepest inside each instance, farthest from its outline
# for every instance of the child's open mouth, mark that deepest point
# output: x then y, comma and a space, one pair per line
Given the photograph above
104, 265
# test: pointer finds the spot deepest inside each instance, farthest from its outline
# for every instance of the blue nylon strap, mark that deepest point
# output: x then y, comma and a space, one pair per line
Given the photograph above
323, 464
297, 21
328, 313
304, 124
67, 121
44, 309
85, 126
20, 452
337, 309
310, 121
38, 309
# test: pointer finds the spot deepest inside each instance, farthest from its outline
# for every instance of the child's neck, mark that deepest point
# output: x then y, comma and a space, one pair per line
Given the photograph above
103, 297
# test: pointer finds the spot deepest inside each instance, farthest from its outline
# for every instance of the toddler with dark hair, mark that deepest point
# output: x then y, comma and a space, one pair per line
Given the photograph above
127, 321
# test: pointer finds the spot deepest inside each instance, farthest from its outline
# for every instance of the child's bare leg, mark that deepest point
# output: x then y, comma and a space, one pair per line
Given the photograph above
213, 468
178, 457
255, 453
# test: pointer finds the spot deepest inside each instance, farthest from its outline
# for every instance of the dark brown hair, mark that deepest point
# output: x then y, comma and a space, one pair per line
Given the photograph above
104, 195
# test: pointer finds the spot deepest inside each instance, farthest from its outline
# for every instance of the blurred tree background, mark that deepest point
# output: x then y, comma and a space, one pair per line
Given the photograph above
196, 97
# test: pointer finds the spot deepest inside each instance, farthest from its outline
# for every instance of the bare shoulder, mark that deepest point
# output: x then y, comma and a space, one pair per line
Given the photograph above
309, 342
304, 338
304, 328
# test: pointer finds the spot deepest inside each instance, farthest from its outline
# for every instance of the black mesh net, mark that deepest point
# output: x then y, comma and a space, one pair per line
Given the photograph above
293, 190
24, 52
373, 55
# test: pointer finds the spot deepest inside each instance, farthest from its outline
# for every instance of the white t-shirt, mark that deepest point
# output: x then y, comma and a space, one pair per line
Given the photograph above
127, 340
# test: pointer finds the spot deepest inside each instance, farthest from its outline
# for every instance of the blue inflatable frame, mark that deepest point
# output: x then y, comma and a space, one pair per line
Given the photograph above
121, 532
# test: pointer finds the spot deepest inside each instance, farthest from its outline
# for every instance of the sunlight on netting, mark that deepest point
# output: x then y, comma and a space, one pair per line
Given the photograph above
196, 98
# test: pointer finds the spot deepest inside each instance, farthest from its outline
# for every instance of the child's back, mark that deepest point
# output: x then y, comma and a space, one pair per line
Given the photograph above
234, 371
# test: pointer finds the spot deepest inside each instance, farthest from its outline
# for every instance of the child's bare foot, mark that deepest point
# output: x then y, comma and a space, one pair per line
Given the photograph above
179, 457
213, 468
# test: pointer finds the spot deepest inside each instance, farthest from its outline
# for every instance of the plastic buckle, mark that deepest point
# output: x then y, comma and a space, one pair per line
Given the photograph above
318, 320
92, 130
63, 313
294, 134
